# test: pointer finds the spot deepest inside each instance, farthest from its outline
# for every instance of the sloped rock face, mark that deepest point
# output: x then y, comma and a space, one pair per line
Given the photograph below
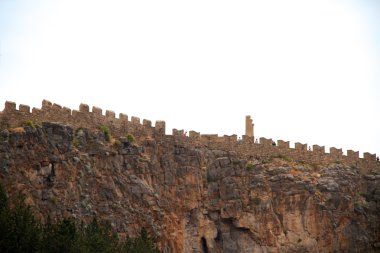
192, 199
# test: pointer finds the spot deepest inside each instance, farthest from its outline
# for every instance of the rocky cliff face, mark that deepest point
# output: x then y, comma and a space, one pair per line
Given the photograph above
192, 199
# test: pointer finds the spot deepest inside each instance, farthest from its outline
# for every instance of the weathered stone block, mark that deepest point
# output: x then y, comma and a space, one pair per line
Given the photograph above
266, 142
353, 154
159, 127
195, 135
36, 110
110, 114
300, 146
10, 106
147, 123
97, 110
336, 151
66, 111
57, 107
369, 157
319, 149
123, 116
135, 120
84, 108
283, 144
46, 104
24, 108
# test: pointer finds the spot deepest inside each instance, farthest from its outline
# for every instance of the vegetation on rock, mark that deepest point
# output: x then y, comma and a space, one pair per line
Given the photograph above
29, 123
107, 133
130, 138
21, 231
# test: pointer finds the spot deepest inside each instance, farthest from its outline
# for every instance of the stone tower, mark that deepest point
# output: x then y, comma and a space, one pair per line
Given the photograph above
249, 126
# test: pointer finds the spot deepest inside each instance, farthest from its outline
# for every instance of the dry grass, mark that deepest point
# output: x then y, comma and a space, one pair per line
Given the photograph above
18, 130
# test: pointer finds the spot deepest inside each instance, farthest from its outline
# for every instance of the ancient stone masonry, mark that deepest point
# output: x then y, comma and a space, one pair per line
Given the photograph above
249, 126
195, 193
265, 149
10, 117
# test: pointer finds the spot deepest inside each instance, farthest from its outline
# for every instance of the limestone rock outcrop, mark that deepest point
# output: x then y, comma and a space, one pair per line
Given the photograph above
192, 198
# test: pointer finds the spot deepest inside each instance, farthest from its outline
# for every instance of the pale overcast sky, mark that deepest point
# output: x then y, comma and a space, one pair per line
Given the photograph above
307, 71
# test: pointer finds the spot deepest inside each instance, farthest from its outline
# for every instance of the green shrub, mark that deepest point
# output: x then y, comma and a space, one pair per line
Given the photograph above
143, 159
29, 123
79, 131
99, 237
20, 231
62, 236
284, 157
266, 160
130, 138
140, 244
256, 201
78, 135
75, 142
117, 143
250, 166
107, 133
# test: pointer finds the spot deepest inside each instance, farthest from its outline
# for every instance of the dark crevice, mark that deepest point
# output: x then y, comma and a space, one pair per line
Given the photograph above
218, 237
204, 245
52, 169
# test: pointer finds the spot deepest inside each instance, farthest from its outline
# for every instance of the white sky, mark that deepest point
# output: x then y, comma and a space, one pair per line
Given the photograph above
306, 71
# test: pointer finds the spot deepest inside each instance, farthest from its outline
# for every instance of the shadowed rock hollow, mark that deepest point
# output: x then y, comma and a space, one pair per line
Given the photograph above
190, 197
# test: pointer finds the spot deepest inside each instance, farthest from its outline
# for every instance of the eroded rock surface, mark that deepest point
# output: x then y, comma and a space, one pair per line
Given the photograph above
192, 199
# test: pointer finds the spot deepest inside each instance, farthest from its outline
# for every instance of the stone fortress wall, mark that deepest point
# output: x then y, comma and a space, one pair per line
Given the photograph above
10, 117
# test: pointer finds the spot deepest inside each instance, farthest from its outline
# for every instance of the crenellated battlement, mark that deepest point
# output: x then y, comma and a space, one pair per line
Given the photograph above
247, 147
266, 148
11, 117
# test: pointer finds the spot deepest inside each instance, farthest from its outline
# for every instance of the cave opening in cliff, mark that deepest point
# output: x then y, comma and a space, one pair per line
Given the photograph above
204, 245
